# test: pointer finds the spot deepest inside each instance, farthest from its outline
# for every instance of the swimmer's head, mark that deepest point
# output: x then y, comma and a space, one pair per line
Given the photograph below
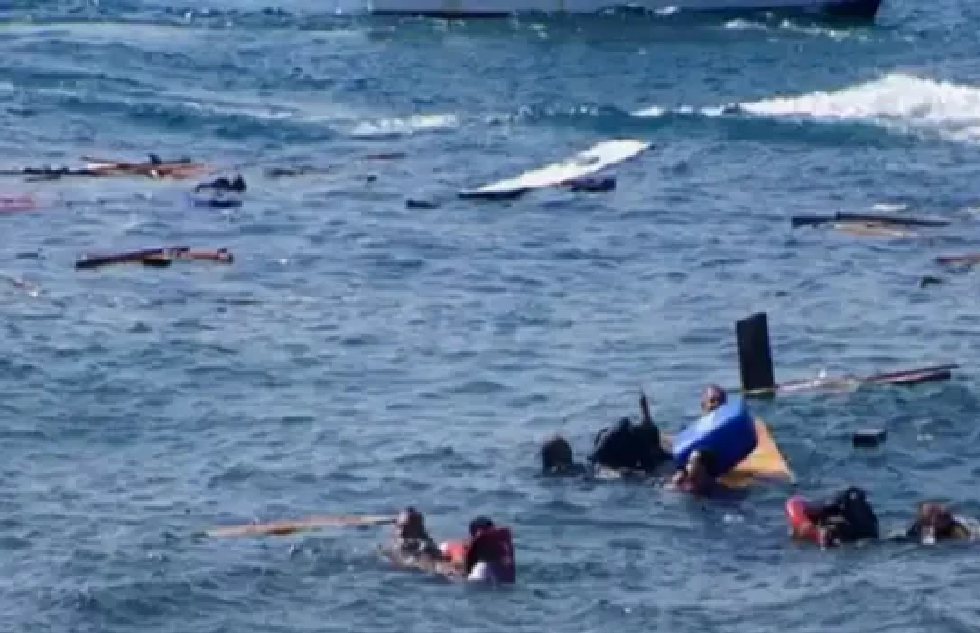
934, 521
556, 454
712, 398
480, 524
410, 524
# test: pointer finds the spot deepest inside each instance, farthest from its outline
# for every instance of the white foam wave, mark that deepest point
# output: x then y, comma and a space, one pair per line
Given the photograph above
252, 111
404, 125
896, 101
741, 24
890, 207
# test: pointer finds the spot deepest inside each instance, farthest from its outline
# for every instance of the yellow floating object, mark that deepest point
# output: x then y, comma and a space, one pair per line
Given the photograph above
765, 462
870, 229
291, 526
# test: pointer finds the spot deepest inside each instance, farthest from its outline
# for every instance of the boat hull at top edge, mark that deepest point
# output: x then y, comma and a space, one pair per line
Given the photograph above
849, 9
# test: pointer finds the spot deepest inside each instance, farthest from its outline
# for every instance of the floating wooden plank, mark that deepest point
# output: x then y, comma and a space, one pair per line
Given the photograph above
866, 218
155, 257
870, 229
17, 203
292, 526
758, 377
969, 259
178, 169
906, 377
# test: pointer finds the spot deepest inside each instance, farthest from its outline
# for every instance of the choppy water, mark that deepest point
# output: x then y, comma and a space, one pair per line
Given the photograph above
359, 355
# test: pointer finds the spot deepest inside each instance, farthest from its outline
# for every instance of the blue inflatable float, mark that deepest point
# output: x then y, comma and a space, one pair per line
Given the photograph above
728, 433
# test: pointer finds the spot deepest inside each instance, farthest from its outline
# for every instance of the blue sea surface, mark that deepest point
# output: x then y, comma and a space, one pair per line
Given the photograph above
359, 356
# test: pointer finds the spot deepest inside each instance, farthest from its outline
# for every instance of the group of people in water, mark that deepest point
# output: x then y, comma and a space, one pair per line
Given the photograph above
637, 450
486, 556
625, 450
848, 517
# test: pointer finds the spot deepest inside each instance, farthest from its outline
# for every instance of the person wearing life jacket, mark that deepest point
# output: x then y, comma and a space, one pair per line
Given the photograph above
557, 459
411, 537
614, 446
846, 517
629, 447
697, 475
489, 553
935, 522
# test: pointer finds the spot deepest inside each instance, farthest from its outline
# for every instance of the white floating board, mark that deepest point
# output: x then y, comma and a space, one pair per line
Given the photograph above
586, 163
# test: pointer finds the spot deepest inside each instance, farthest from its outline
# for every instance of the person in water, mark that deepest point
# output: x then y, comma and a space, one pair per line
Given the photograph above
629, 447
697, 476
489, 553
557, 458
847, 517
935, 522
412, 538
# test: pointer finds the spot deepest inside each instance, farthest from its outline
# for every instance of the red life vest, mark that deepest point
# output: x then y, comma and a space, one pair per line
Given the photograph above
455, 551
497, 545
801, 516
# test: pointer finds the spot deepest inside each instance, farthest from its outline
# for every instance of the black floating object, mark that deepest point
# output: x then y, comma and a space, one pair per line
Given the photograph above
879, 219
156, 262
755, 354
418, 203
929, 280
592, 184
811, 220
493, 194
914, 376
892, 220
385, 156
90, 263
869, 438
222, 184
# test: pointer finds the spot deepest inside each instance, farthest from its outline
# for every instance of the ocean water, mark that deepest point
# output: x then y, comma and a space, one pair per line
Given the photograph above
359, 356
